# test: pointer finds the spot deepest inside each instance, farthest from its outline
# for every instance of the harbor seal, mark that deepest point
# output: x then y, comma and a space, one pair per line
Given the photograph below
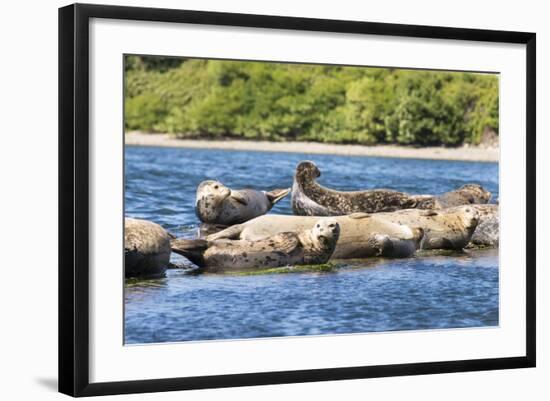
450, 228
217, 204
359, 238
312, 199
441, 229
469, 194
314, 245
146, 248
487, 232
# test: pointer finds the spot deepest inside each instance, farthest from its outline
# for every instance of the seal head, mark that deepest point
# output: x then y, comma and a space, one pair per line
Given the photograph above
324, 236
306, 171
470, 218
210, 197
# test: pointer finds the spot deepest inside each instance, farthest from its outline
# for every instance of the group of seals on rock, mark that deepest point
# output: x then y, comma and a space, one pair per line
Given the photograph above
359, 237
312, 199
313, 245
395, 234
379, 222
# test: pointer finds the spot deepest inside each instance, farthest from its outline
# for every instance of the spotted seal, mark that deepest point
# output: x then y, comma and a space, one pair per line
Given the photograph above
311, 199
359, 237
217, 204
469, 194
442, 229
450, 228
314, 245
146, 248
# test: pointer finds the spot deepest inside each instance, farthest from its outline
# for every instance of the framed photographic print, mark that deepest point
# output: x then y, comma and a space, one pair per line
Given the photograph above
250, 199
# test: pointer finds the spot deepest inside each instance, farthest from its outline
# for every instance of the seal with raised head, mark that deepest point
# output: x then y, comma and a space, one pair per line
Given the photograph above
312, 199
314, 245
146, 248
359, 237
217, 204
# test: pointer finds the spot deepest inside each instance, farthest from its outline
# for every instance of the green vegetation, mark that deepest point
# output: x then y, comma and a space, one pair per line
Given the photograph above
284, 102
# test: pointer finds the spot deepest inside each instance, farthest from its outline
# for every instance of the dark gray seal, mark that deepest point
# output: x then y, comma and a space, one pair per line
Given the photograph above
146, 248
311, 199
312, 246
218, 204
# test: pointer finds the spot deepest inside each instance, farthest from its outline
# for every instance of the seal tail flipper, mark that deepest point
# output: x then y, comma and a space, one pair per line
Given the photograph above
276, 195
192, 249
358, 215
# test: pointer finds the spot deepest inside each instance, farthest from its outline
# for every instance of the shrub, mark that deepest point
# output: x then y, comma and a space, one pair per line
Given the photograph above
277, 101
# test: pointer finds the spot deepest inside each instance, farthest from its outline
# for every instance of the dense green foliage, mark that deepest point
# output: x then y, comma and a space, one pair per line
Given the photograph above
272, 101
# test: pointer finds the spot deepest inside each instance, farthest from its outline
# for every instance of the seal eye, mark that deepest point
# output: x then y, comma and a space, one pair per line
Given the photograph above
318, 226
216, 186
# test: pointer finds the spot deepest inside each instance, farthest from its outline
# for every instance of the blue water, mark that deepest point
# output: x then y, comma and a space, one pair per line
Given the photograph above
427, 291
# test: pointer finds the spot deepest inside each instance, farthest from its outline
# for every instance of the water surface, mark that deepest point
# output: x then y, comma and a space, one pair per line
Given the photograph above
428, 291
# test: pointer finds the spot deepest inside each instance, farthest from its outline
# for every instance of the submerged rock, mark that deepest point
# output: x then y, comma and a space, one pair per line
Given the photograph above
146, 248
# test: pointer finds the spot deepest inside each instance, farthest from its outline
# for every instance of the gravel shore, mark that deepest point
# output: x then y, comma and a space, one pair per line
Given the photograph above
465, 153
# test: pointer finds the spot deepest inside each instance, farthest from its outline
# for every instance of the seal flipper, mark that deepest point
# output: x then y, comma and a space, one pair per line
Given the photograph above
439, 243
358, 215
232, 232
276, 195
428, 213
286, 242
239, 198
192, 249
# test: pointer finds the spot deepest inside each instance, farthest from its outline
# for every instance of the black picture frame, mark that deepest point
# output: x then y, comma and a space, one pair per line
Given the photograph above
74, 198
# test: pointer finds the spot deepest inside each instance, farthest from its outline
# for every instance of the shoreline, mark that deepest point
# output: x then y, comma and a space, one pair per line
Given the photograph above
464, 153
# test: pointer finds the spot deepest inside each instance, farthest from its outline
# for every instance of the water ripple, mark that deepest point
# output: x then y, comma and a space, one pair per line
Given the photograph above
429, 291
